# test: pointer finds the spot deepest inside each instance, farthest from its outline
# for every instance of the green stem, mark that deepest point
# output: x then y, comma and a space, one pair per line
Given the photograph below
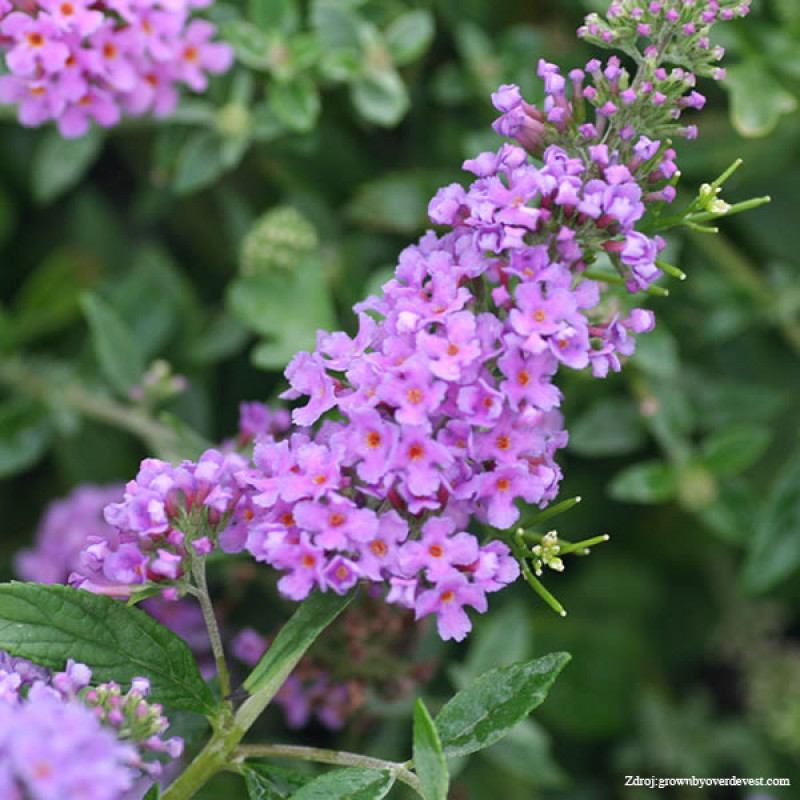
521, 552
607, 277
199, 574
16, 375
552, 511
337, 757
582, 548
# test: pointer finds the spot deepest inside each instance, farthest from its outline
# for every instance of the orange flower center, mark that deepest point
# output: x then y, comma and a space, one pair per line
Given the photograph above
436, 551
503, 442
415, 396
35, 39
378, 548
448, 596
336, 520
287, 519
318, 480
66, 9
109, 51
504, 484
308, 560
416, 452
523, 378
373, 440
539, 315
452, 350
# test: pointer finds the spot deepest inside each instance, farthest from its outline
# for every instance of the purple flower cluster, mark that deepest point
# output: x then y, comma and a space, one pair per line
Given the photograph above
166, 513
442, 411
673, 30
73, 61
58, 739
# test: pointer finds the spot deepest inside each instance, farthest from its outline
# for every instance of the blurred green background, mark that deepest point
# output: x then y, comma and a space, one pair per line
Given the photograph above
221, 239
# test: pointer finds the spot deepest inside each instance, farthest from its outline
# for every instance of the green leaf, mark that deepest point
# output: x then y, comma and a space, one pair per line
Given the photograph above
117, 351
296, 103
222, 339
336, 26
525, 753
25, 434
153, 793
733, 450
294, 638
252, 46
59, 163
657, 354
199, 162
757, 99
286, 307
348, 784
775, 550
396, 202
282, 15
49, 298
267, 782
429, 763
610, 427
186, 442
380, 96
486, 711
409, 36
49, 624
646, 482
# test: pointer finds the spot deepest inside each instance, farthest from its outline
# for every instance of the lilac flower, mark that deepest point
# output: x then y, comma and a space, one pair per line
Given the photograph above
447, 601
60, 739
72, 61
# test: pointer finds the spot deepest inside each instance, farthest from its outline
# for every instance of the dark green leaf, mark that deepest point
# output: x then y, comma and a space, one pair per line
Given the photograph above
409, 36
296, 103
486, 711
49, 624
396, 202
429, 763
154, 792
646, 482
199, 162
757, 99
59, 163
734, 449
775, 550
25, 434
294, 638
657, 354
49, 298
525, 753
380, 96
267, 782
610, 427
117, 351
223, 338
348, 784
